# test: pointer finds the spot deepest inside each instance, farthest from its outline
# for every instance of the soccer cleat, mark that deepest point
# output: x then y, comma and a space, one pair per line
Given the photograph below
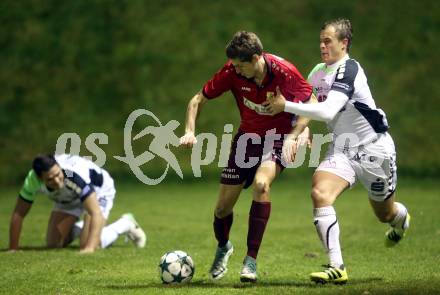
135, 234
249, 270
219, 266
394, 235
331, 274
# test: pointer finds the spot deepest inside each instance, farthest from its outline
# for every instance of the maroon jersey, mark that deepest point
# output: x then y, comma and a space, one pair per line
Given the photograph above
249, 96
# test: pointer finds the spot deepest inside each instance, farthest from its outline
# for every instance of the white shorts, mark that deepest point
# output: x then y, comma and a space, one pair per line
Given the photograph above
374, 165
105, 194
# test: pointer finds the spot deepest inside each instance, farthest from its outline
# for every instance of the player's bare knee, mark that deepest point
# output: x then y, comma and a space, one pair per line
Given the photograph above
68, 240
319, 196
54, 244
261, 187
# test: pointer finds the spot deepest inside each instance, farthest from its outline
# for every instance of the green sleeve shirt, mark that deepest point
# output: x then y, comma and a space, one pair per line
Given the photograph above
31, 186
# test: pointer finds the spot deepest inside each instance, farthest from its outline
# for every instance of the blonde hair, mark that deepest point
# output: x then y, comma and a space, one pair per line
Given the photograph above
343, 29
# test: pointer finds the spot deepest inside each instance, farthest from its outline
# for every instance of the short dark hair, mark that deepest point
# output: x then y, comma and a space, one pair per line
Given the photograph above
343, 29
43, 163
243, 46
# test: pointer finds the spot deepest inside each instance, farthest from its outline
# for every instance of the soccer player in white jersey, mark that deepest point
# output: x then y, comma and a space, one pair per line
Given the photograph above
74, 184
361, 149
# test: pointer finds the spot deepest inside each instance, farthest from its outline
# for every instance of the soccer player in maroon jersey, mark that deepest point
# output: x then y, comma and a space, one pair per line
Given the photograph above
252, 76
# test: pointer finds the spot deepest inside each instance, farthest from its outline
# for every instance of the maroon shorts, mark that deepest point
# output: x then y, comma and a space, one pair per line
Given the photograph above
245, 158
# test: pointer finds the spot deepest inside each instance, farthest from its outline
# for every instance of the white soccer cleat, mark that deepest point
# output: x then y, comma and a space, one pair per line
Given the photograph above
219, 266
394, 235
249, 271
135, 233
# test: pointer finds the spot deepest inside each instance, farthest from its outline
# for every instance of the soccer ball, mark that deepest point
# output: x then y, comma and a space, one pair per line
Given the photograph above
176, 267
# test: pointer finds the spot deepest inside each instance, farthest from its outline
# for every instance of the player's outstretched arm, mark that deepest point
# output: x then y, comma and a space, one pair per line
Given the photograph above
323, 111
21, 210
193, 109
93, 231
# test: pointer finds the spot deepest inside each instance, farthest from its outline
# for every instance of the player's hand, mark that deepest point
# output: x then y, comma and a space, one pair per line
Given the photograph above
290, 146
86, 250
188, 140
275, 104
304, 138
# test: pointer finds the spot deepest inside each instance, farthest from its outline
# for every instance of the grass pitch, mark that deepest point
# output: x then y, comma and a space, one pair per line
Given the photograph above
179, 216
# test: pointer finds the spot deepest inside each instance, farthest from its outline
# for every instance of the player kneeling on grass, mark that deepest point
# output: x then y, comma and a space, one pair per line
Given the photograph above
367, 154
74, 184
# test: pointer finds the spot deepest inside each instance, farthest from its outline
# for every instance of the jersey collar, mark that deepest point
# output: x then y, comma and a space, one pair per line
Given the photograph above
335, 65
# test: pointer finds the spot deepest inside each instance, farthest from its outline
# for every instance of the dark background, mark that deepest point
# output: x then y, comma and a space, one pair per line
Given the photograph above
84, 66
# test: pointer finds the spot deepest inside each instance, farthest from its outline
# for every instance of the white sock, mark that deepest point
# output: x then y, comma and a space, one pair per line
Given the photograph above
121, 226
327, 227
108, 236
111, 232
399, 222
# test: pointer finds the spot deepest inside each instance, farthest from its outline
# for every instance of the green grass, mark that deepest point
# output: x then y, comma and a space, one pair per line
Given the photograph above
179, 216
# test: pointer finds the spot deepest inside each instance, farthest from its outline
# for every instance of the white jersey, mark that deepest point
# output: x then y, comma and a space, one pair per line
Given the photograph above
81, 178
359, 120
